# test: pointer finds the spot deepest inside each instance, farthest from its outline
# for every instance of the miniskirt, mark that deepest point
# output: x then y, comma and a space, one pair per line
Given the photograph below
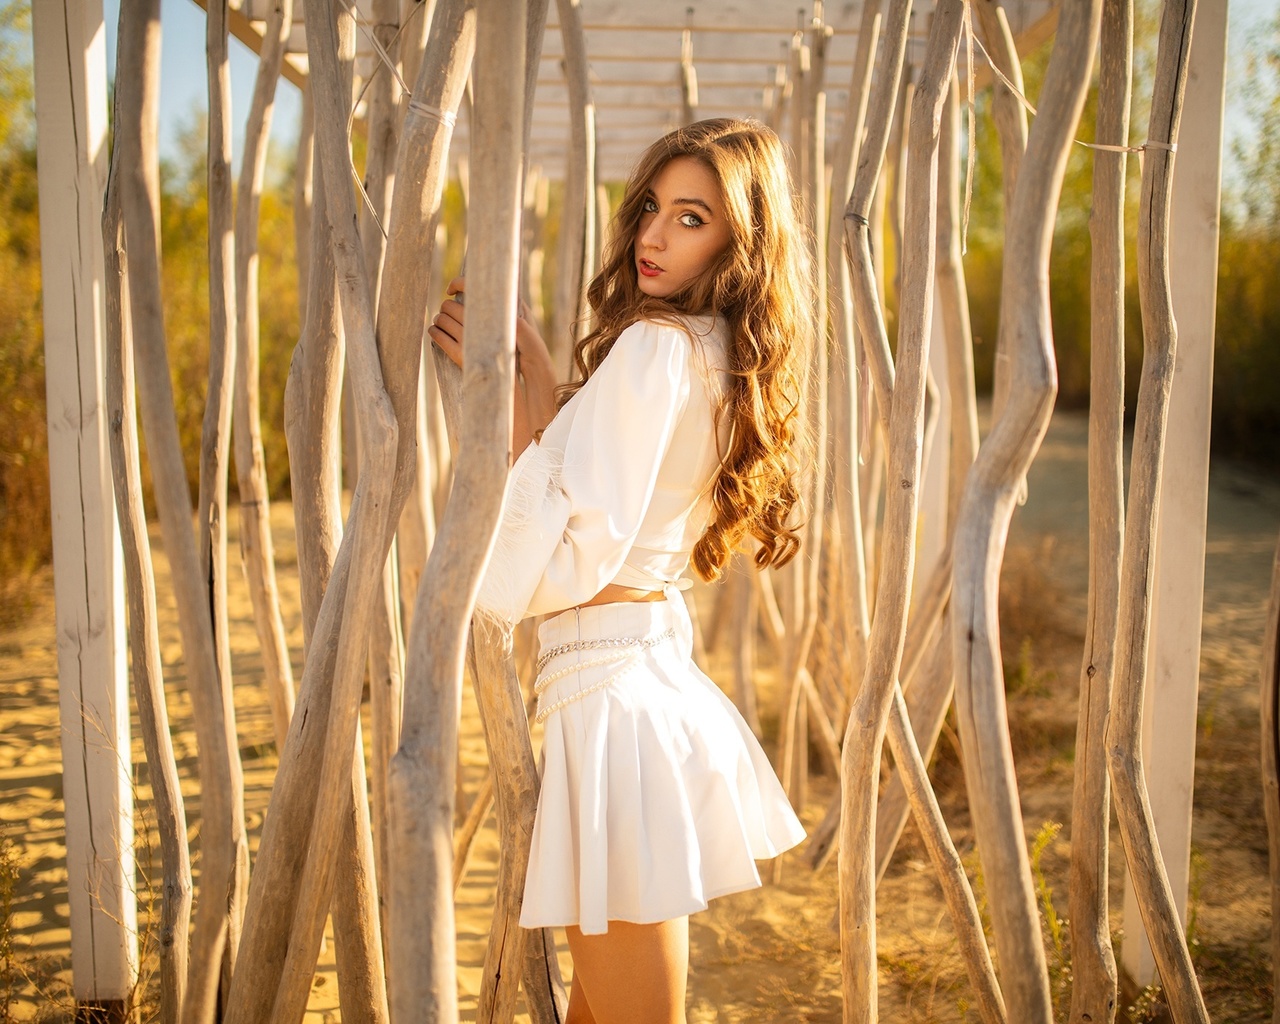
656, 796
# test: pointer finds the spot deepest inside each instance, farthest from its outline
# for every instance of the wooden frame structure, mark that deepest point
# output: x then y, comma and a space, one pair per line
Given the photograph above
364, 310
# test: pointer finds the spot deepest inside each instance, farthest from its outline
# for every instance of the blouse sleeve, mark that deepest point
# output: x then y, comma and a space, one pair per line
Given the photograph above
575, 501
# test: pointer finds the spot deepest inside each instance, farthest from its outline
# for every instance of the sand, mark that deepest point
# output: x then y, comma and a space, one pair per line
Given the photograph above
772, 954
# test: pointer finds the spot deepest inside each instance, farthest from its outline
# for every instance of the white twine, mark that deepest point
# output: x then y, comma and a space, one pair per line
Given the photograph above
1171, 147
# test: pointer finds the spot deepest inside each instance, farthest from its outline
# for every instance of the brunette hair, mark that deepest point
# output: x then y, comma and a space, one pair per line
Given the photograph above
759, 287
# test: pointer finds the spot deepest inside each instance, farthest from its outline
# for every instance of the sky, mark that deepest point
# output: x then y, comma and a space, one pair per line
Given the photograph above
183, 88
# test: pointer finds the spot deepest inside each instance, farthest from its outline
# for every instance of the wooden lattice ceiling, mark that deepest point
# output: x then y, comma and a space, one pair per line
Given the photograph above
740, 51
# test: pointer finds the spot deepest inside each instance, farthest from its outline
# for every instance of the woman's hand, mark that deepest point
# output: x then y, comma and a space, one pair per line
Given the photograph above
535, 403
446, 326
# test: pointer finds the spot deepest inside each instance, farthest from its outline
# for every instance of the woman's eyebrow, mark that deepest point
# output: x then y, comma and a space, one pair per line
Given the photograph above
700, 203
692, 202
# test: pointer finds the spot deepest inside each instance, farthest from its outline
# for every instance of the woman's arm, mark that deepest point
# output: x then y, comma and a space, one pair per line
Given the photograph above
535, 400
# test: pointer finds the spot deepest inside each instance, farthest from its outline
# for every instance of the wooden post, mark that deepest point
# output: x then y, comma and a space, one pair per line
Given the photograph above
987, 507
1270, 705
71, 91
1011, 126
869, 715
846, 404
144, 636
421, 782
215, 441
256, 549
1093, 963
1173, 658
136, 126
577, 218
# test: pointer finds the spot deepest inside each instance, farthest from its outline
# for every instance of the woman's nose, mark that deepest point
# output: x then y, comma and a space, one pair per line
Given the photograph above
652, 236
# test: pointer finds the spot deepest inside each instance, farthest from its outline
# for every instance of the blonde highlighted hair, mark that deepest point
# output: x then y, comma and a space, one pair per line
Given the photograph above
761, 287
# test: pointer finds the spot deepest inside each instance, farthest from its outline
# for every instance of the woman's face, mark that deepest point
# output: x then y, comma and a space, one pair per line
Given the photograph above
683, 228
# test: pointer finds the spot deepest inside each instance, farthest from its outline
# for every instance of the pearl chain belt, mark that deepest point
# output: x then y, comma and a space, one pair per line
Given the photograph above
632, 646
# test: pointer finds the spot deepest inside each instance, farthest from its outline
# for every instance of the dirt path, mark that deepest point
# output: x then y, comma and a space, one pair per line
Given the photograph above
772, 955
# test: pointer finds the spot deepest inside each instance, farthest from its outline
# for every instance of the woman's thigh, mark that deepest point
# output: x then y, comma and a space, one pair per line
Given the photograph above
633, 974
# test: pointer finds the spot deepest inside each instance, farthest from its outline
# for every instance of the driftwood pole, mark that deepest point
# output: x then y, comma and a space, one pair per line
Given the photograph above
985, 511
577, 216
386, 641
1270, 706
215, 441
1093, 964
138, 58
421, 778
1123, 740
303, 185
256, 548
845, 402
144, 636
311, 400
355, 591
1011, 126
144, 630
870, 712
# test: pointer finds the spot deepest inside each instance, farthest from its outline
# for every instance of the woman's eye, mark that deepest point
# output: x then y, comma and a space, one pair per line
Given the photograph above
691, 220
650, 206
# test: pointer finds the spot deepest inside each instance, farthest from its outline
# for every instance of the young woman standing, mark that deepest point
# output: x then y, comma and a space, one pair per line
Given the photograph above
679, 441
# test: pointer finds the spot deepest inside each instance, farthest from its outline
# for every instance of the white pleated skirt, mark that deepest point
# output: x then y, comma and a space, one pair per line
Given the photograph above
656, 796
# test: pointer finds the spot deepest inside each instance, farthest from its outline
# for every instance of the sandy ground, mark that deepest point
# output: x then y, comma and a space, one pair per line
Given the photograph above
772, 954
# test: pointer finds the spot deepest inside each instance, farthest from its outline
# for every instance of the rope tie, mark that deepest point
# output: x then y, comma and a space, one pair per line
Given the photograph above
1170, 147
446, 117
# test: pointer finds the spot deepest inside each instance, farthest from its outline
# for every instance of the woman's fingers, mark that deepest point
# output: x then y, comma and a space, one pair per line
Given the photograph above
458, 284
446, 343
446, 330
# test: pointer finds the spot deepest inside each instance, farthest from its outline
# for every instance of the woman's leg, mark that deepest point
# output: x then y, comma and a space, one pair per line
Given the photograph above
633, 974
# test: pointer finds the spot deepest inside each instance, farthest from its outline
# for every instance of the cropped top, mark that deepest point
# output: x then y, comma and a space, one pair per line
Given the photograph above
618, 489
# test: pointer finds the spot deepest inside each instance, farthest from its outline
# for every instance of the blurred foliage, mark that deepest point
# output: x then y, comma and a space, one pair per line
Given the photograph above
184, 240
1246, 387
1246, 381
25, 540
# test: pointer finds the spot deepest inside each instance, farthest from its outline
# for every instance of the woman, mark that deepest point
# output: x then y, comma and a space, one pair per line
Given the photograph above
679, 441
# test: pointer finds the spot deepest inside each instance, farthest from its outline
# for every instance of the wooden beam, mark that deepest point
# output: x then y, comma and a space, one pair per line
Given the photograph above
250, 33
1173, 663
71, 91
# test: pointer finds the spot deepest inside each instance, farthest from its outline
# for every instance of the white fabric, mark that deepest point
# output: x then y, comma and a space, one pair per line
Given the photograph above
655, 796
617, 490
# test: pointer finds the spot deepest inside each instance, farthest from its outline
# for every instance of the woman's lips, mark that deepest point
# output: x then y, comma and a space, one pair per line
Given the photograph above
648, 269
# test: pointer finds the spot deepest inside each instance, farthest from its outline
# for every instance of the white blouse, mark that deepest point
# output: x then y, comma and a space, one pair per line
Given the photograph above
618, 489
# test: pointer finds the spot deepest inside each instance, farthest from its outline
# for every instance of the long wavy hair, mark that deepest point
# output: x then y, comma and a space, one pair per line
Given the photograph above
761, 287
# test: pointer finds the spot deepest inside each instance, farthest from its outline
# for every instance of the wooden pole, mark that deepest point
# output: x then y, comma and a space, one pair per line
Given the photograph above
869, 715
386, 642
215, 441
577, 218
1093, 963
843, 164
303, 184
365, 544
1011, 126
71, 90
311, 400
137, 96
421, 780
987, 507
256, 548
1270, 707
144, 635
1149, 876
1173, 660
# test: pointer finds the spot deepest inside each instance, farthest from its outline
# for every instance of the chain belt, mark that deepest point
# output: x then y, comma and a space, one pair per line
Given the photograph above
632, 646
